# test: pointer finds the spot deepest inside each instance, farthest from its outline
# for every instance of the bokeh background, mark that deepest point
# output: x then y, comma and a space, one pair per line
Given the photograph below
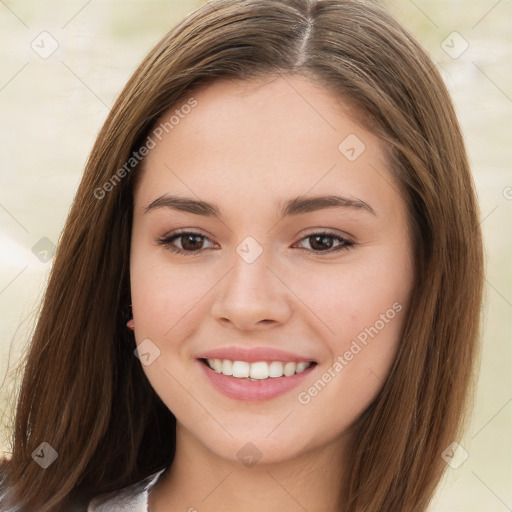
64, 62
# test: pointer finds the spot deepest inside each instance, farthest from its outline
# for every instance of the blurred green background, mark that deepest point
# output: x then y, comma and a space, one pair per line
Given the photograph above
53, 107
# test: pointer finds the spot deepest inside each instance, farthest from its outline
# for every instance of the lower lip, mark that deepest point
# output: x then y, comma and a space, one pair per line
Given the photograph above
253, 391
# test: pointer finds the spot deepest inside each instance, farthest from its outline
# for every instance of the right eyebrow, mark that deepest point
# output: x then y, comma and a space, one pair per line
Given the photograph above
184, 204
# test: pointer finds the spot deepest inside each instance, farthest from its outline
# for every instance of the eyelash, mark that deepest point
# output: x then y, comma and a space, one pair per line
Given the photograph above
345, 244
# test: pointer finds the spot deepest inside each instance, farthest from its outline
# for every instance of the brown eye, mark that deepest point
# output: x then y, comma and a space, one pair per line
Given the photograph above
186, 242
191, 242
320, 242
326, 242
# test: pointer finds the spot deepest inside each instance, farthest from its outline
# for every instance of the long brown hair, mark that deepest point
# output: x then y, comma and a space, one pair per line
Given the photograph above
83, 391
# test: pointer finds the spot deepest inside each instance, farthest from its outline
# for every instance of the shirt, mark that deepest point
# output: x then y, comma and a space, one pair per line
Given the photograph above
133, 498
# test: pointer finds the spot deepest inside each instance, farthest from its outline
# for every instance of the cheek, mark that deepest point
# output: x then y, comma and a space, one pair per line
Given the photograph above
367, 325
164, 294
363, 307
165, 300
350, 299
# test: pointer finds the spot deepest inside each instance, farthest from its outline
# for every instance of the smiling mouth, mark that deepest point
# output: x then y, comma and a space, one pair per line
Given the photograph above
256, 371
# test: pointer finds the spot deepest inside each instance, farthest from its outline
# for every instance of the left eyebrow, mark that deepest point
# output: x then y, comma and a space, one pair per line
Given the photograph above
301, 205
292, 207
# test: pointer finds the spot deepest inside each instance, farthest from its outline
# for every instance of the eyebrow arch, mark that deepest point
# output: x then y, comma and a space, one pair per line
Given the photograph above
296, 206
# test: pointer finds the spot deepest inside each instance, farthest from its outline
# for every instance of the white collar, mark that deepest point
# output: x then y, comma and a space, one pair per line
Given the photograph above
133, 498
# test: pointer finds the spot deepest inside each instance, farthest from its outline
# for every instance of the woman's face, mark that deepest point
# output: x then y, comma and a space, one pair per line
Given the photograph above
299, 253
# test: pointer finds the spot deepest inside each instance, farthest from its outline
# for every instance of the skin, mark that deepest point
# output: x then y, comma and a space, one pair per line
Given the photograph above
248, 147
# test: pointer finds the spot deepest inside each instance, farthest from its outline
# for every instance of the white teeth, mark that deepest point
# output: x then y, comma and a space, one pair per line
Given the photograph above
256, 371
241, 369
259, 370
301, 367
289, 369
275, 369
227, 367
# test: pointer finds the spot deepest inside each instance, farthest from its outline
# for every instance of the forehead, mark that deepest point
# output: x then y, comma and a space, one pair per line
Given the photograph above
272, 138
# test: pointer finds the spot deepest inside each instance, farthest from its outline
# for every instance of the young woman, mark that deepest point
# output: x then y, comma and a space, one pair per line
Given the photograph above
267, 292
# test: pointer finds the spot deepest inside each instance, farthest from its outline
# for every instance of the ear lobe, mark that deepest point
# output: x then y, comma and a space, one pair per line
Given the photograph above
130, 324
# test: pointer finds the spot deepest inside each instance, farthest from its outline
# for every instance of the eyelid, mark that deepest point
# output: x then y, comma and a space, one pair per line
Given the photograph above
347, 239
166, 240
330, 232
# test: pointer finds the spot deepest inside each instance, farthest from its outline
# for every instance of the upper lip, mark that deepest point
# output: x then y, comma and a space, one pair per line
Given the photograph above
252, 355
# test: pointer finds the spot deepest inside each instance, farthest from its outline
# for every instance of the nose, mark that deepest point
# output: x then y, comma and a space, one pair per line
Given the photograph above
252, 296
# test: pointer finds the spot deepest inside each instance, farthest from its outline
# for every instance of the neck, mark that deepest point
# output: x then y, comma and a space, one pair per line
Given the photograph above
199, 480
